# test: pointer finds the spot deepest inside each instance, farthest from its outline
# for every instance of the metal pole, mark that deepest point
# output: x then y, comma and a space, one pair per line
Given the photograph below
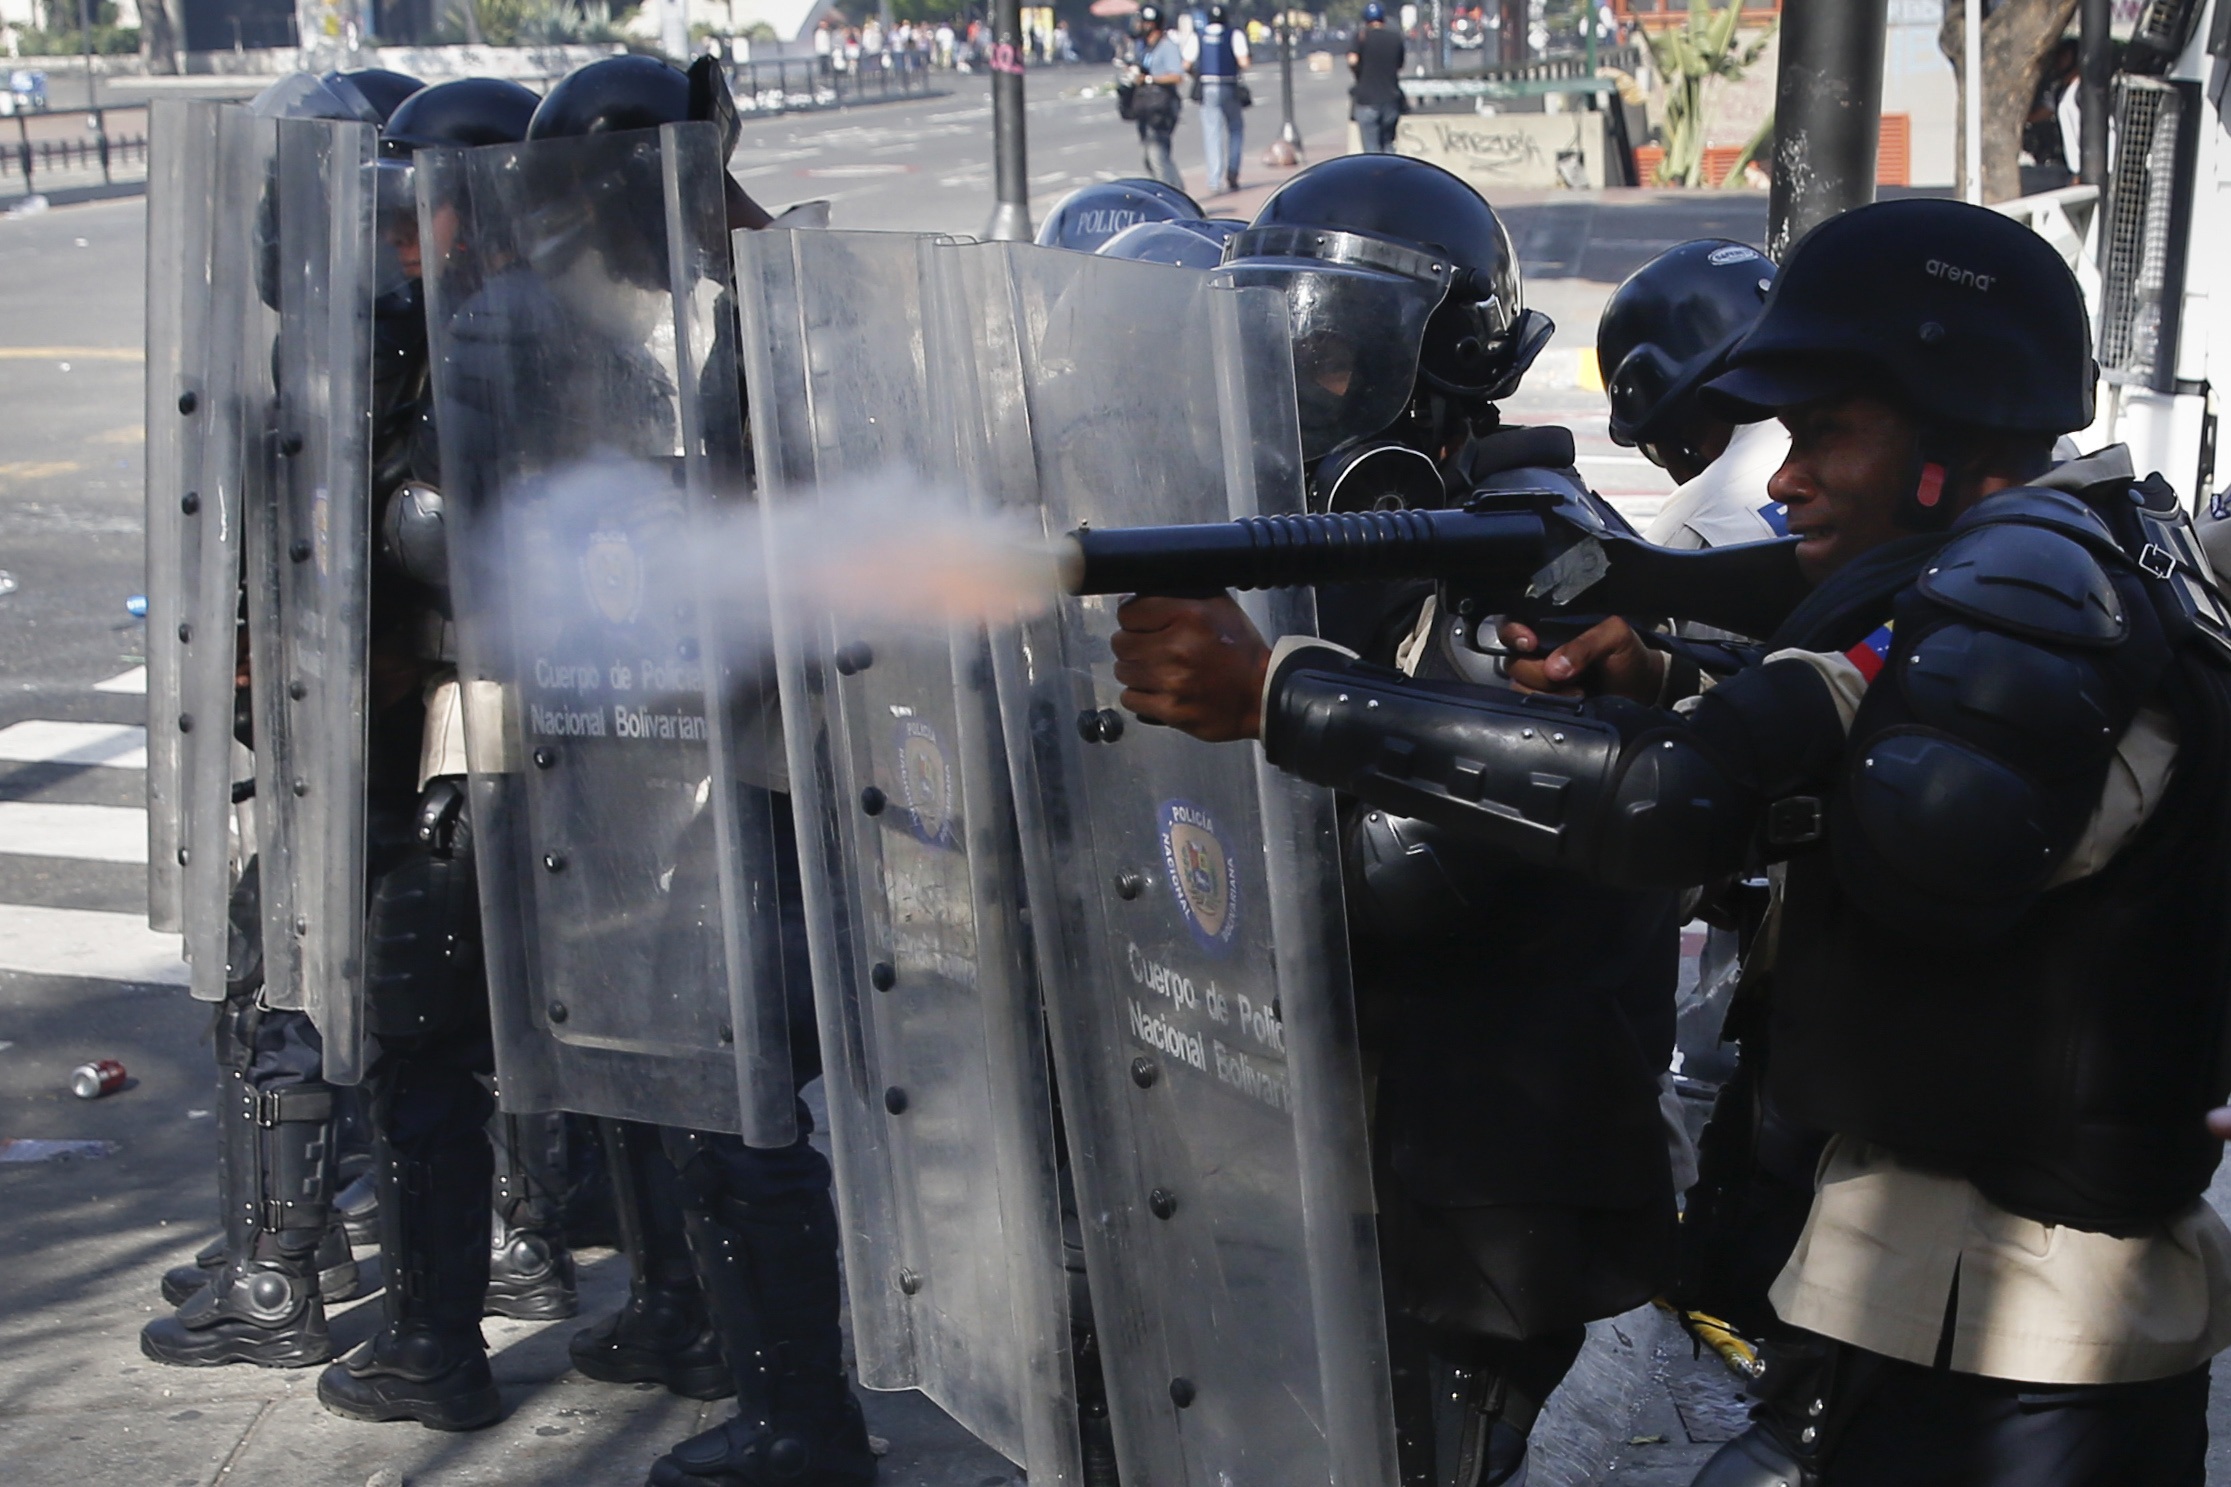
1827, 115
1288, 150
2095, 53
85, 47
1971, 102
1011, 217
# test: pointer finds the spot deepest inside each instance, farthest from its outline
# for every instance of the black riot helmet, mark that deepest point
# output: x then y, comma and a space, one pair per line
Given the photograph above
1965, 316
1182, 242
461, 114
1667, 331
1090, 215
621, 93
1403, 293
465, 113
1151, 19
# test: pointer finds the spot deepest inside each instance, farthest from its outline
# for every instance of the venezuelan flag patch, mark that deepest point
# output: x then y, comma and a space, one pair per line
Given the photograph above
1870, 653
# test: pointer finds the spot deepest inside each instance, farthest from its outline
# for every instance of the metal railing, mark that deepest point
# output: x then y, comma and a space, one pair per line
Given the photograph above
1571, 73
781, 84
103, 149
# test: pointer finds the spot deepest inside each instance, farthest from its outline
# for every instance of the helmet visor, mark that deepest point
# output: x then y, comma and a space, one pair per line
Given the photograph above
1356, 338
302, 95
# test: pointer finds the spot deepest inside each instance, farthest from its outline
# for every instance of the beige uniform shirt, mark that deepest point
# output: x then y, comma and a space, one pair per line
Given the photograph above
1887, 1241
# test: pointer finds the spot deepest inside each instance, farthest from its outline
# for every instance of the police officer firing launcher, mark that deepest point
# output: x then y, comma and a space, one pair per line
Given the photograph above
1983, 757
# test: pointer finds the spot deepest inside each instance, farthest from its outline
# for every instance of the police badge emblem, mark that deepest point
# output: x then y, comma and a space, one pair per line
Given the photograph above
925, 782
1203, 877
613, 572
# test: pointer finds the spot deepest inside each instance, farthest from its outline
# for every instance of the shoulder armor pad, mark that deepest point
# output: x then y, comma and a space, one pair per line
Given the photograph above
2036, 506
2028, 580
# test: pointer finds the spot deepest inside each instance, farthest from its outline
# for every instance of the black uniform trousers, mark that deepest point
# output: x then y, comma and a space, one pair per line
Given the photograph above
1931, 1427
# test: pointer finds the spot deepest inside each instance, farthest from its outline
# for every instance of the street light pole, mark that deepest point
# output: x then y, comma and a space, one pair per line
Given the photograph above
1286, 149
85, 47
1827, 115
2095, 62
1011, 170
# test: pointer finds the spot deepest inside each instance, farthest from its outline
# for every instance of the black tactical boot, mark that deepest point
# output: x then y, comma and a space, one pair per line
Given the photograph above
663, 1335
338, 1280
429, 1362
261, 1305
770, 1275
530, 1269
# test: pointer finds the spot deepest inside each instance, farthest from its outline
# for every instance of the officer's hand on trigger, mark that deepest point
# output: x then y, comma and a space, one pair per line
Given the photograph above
1606, 660
1196, 664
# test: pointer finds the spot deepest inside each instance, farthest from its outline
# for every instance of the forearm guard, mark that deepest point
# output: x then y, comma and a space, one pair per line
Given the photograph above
1629, 795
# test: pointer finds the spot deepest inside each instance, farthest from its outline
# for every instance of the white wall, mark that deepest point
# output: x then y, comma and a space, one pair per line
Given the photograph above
792, 20
1917, 80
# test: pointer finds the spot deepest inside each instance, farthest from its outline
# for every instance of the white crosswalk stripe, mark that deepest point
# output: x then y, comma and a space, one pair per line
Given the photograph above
110, 943
133, 682
88, 833
40, 741
87, 942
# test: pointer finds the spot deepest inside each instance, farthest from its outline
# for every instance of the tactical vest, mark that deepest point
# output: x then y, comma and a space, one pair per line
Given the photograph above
1217, 58
2063, 1063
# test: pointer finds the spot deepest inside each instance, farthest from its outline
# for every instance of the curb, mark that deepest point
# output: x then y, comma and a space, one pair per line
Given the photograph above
67, 196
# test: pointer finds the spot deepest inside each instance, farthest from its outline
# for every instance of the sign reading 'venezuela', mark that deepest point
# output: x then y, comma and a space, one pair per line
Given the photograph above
1502, 151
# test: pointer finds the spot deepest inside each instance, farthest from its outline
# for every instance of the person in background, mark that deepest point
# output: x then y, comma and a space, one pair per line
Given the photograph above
1218, 57
1157, 68
1375, 102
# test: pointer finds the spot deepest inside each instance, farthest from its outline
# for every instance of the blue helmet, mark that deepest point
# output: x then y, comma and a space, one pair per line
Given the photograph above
1090, 215
1374, 12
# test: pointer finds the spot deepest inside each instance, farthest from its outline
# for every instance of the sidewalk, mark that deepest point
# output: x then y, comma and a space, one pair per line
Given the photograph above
86, 1240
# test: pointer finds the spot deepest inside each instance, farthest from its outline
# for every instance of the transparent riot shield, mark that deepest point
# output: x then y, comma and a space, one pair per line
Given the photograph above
217, 401
933, 1041
1186, 905
182, 178
581, 332
308, 573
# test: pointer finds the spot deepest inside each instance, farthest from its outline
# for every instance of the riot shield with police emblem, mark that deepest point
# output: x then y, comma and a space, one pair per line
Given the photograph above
933, 1040
306, 520
580, 319
184, 512
1186, 904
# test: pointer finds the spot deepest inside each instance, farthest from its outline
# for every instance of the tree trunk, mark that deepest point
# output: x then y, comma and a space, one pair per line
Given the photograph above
2018, 37
158, 37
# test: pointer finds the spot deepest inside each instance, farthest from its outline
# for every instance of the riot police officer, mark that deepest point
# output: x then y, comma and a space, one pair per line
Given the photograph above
426, 1007
1522, 1160
257, 1294
733, 1249
1664, 333
1985, 754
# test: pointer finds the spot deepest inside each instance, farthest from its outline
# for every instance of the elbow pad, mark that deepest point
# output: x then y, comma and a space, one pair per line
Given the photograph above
1626, 794
414, 535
